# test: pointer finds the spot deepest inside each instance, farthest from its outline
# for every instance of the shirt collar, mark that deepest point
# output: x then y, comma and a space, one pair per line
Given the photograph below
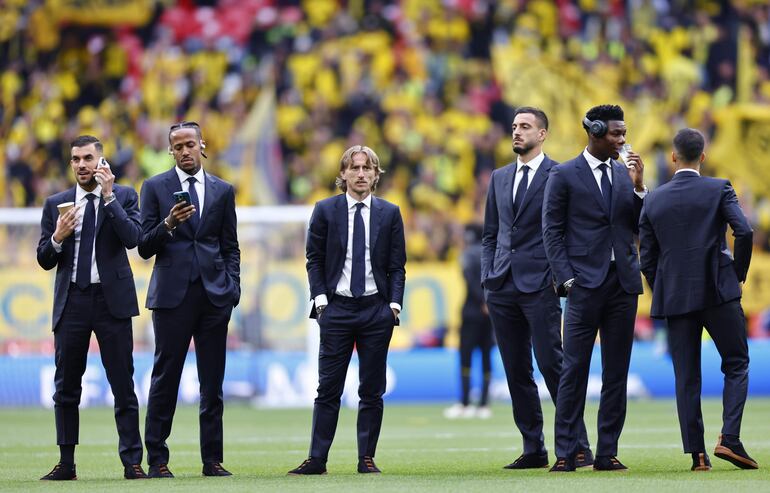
533, 163
184, 176
80, 194
352, 202
683, 170
592, 161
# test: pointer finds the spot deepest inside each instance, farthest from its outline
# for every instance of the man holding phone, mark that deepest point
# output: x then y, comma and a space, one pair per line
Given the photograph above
86, 240
189, 225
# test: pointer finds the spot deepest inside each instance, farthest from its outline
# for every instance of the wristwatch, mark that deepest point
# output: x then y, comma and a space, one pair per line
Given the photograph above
108, 198
319, 310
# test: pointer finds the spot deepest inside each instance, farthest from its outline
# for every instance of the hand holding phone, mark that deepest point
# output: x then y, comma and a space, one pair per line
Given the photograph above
182, 210
182, 196
102, 164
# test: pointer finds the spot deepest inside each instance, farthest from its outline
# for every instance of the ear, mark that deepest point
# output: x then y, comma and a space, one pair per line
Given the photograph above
673, 157
169, 151
702, 157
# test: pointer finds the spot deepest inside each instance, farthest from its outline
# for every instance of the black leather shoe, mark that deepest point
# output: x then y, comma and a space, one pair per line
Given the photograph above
700, 462
61, 472
366, 465
563, 464
134, 471
215, 469
529, 461
160, 471
311, 465
608, 463
584, 458
734, 453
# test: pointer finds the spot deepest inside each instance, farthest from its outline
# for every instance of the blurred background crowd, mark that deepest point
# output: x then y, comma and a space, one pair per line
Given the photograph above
282, 88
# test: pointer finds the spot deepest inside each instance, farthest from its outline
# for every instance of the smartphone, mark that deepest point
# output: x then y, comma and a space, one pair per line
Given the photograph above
182, 196
102, 164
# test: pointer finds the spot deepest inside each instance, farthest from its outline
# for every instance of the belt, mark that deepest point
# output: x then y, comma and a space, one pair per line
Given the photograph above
372, 299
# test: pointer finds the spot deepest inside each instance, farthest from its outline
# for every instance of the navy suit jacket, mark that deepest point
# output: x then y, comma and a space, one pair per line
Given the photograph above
117, 228
327, 243
215, 243
685, 257
511, 243
579, 233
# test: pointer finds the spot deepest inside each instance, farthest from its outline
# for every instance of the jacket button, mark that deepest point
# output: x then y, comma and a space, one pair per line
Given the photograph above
513, 250
514, 229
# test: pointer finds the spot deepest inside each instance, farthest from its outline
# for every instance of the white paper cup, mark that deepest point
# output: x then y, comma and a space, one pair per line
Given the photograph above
64, 207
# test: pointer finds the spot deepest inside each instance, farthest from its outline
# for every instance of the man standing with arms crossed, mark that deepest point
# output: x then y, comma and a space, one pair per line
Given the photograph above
696, 283
94, 291
355, 263
590, 219
194, 286
523, 305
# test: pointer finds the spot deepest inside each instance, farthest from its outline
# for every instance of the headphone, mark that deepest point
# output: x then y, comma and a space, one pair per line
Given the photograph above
597, 128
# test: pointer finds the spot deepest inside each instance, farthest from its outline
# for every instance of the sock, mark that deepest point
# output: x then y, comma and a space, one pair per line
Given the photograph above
67, 454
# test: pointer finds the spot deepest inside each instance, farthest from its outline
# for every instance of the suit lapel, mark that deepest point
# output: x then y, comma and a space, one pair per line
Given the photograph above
100, 216
210, 195
341, 218
375, 216
587, 175
508, 186
537, 182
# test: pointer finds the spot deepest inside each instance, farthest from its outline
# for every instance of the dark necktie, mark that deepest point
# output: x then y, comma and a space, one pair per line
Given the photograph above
606, 188
357, 274
195, 218
86, 249
521, 190
195, 270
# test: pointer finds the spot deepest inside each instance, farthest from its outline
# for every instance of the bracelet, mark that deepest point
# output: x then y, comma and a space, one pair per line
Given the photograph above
168, 226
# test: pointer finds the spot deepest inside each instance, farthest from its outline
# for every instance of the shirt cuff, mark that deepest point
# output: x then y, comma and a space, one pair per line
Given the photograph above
321, 300
56, 246
396, 307
110, 199
643, 193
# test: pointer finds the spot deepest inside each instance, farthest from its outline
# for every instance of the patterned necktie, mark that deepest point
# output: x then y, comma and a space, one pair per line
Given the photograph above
86, 249
195, 218
357, 281
606, 188
521, 190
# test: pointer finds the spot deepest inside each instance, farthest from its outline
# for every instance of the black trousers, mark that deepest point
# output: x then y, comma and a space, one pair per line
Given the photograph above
521, 321
197, 319
727, 326
366, 323
611, 312
84, 312
475, 332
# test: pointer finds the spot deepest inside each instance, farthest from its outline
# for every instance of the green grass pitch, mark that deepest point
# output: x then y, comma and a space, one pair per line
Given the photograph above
419, 450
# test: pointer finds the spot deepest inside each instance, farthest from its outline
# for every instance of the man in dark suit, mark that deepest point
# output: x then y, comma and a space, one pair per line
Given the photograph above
94, 291
696, 283
194, 286
590, 218
355, 262
523, 305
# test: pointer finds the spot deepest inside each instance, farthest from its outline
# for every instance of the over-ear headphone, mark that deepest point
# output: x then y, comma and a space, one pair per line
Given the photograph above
597, 128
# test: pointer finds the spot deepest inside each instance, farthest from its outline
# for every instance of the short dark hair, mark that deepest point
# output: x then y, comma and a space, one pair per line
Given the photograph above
185, 124
84, 140
540, 115
689, 144
605, 112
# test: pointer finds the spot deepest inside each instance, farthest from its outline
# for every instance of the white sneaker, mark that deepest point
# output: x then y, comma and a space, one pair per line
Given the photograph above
483, 412
458, 411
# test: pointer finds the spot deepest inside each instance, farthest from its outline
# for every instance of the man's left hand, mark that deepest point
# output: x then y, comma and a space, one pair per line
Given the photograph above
635, 167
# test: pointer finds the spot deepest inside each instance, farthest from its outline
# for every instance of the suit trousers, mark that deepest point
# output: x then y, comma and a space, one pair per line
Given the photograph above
727, 326
366, 323
86, 311
611, 312
198, 319
523, 321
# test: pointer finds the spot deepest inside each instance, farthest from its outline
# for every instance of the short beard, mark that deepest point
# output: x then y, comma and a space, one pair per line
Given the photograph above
522, 150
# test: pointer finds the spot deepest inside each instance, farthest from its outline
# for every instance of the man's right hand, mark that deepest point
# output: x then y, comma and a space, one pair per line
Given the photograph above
180, 213
65, 225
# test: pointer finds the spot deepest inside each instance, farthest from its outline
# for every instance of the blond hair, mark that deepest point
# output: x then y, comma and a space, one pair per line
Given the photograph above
347, 160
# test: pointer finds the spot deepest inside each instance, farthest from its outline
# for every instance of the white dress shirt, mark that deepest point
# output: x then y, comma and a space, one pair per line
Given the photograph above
684, 170
80, 203
533, 164
200, 188
343, 286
